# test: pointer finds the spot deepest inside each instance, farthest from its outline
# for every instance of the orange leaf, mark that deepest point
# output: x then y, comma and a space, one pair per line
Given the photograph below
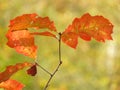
11, 85
23, 42
10, 70
71, 39
97, 27
31, 21
22, 22
21, 39
45, 22
88, 27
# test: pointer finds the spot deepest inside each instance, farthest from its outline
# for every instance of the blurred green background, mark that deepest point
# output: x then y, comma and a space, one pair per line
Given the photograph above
92, 66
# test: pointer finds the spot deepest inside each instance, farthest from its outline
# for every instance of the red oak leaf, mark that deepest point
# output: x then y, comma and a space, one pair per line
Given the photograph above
88, 27
97, 27
45, 22
31, 21
22, 22
32, 70
23, 42
11, 85
21, 39
10, 70
70, 38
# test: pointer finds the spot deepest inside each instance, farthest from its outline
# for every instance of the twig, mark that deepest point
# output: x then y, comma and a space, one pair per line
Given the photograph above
43, 69
60, 62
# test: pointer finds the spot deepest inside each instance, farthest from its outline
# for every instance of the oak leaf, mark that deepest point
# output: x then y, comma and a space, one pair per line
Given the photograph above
11, 85
22, 22
31, 21
10, 70
21, 39
23, 42
70, 38
87, 27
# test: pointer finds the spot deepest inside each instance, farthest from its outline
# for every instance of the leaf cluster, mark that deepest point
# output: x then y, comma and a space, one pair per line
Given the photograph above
22, 40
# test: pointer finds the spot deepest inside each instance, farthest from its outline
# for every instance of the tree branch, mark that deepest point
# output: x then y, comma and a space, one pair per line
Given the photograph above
60, 62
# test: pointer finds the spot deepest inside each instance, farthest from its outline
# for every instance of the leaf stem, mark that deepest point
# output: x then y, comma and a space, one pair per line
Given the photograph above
58, 66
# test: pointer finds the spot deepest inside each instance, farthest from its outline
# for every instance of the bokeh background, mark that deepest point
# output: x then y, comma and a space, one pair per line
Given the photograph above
92, 66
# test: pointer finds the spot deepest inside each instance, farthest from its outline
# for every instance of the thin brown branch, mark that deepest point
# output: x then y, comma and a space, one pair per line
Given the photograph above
60, 62
44, 69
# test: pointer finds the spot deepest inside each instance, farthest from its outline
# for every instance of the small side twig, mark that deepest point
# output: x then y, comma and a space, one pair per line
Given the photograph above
44, 69
60, 62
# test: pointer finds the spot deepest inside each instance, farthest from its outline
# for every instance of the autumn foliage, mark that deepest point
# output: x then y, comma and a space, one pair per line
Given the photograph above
11, 85
87, 27
21, 38
6, 82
